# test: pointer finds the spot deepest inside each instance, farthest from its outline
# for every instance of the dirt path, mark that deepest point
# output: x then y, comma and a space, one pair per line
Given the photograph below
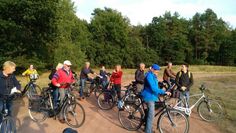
97, 121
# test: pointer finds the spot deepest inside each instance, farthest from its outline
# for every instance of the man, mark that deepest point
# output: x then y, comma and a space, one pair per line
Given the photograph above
169, 75
84, 76
139, 77
7, 82
60, 80
184, 80
150, 94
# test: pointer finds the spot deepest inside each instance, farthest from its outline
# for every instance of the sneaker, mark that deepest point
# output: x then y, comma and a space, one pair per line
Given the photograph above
120, 104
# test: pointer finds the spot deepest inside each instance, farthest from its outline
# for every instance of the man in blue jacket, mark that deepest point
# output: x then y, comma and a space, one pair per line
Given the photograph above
150, 94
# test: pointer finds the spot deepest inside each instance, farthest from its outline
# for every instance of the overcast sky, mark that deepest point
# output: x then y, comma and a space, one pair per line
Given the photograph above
142, 11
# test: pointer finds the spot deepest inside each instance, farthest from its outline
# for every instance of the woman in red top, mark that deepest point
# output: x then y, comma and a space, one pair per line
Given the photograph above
116, 80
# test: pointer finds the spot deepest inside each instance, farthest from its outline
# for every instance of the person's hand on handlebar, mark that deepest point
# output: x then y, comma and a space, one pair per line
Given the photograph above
168, 93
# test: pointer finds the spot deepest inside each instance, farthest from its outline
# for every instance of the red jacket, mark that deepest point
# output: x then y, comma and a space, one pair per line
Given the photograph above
61, 76
116, 77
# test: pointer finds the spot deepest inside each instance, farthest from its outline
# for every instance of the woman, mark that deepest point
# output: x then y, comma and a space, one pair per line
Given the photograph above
7, 82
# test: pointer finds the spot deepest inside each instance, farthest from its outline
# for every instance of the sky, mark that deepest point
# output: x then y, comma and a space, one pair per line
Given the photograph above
142, 11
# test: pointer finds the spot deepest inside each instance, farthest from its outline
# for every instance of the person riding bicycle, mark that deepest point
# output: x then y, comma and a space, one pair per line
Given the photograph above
104, 75
55, 88
169, 75
139, 77
30, 71
60, 80
184, 80
115, 79
150, 94
7, 82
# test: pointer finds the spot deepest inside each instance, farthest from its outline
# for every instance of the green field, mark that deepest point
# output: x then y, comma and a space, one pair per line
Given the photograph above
220, 81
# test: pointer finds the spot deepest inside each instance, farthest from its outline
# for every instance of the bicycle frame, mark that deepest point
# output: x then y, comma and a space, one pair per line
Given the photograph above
188, 109
27, 86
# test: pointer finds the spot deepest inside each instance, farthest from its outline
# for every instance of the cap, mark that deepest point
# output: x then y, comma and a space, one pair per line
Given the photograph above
67, 62
156, 67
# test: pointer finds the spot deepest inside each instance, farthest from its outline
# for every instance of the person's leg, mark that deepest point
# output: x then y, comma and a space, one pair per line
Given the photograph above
181, 98
139, 87
118, 91
55, 97
82, 83
150, 117
1, 107
62, 95
187, 97
9, 107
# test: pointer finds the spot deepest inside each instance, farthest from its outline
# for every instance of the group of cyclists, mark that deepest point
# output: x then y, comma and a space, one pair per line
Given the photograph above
147, 83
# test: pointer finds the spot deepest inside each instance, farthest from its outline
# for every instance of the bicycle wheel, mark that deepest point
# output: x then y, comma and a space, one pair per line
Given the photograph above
74, 115
106, 100
173, 121
97, 91
37, 116
34, 90
8, 125
210, 110
131, 118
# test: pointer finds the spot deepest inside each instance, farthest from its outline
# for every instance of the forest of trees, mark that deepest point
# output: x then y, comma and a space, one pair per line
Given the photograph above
45, 32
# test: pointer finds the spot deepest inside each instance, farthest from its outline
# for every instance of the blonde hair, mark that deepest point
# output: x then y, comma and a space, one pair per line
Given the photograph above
8, 64
59, 65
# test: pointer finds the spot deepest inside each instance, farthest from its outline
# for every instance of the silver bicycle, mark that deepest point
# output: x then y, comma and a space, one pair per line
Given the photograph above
208, 109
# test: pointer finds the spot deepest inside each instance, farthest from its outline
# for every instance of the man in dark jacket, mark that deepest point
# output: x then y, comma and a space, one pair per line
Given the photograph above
8, 81
139, 77
184, 80
84, 76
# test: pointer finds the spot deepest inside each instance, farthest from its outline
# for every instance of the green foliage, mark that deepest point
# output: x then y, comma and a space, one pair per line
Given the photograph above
47, 32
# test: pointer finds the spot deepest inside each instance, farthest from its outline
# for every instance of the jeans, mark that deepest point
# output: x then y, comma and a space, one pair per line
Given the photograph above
62, 92
150, 116
8, 106
55, 97
82, 83
184, 94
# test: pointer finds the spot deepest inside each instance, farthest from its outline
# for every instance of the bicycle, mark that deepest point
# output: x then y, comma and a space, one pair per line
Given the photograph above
42, 107
8, 122
31, 87
97, 87
208, 109
108, 98
170, 120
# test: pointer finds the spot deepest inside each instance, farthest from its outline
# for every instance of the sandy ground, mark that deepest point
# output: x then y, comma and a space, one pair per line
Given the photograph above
97, 121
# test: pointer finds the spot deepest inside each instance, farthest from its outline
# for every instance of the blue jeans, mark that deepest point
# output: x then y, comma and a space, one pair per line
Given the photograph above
8, 106
150, 116
184, 94
55, 97
82, 83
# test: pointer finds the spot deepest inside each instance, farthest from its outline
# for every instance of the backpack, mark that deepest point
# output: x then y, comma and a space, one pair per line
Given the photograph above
189, 74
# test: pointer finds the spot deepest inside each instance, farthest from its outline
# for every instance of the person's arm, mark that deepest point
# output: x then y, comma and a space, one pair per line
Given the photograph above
25, 72
55, 79
169, 73
191, 81
35, 71
151, 81
172, 73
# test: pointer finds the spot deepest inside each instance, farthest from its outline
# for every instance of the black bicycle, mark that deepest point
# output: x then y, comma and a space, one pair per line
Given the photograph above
170, 120
31, 88
8, 122
108, 98
42, 107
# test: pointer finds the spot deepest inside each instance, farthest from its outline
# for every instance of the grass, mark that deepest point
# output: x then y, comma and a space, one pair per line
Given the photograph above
220, 81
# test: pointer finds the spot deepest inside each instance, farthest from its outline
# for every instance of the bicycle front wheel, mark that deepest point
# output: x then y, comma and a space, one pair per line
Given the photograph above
106, 100
173, 121
131, 117
97, 91
37, 116
210, 110
34, 90
8, 125
74, 115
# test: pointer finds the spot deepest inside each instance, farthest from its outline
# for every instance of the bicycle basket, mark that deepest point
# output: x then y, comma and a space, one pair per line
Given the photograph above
33, 76
35, 103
